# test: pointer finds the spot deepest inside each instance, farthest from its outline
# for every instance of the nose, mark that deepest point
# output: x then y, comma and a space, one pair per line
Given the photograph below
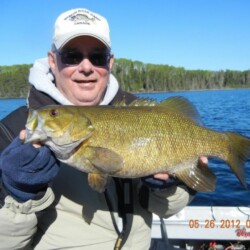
85, 66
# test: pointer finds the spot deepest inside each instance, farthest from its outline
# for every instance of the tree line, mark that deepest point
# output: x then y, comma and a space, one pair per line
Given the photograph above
136, 76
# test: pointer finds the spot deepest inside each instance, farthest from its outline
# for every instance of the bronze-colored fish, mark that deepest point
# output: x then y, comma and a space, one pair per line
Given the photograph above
135, 141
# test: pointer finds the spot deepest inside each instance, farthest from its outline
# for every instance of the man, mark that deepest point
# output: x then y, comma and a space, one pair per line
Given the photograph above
49, 205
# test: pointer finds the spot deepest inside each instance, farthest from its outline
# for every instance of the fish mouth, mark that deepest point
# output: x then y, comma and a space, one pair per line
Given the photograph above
35, 136
61, 143
61, 150
34, 133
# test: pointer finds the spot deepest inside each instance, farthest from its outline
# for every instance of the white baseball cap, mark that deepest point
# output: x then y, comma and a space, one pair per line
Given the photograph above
80, 22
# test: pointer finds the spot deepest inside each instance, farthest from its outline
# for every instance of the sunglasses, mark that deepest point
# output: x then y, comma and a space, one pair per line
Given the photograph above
74, 57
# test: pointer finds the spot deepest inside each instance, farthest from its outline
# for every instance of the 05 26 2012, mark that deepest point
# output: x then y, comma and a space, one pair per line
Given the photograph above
223, 224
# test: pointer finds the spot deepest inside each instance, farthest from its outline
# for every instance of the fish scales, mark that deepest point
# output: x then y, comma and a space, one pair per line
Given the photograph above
136, 141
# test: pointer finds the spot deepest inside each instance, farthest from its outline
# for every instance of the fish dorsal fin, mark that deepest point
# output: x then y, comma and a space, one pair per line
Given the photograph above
183, 106
144, 102
136, 102
120, 103
175, 103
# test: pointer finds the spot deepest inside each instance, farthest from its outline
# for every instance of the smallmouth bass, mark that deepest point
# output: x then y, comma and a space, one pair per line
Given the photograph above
138, 140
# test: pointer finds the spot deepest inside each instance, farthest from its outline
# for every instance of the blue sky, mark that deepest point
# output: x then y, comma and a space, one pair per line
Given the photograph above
194, 34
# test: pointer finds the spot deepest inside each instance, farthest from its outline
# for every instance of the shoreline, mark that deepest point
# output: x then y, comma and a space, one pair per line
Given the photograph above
154, 92
194, 90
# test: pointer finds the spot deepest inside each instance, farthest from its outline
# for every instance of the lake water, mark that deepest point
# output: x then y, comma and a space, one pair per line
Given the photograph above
223, 110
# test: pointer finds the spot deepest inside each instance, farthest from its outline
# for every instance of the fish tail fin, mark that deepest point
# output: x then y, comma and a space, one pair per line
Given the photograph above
239, 152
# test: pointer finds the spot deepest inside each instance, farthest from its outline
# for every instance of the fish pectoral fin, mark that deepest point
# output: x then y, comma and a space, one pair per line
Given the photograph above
105, 160
98, 182
199, 178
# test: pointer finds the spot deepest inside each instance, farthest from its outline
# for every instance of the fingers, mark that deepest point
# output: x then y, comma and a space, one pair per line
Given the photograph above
22, 135
161, 176
203, 161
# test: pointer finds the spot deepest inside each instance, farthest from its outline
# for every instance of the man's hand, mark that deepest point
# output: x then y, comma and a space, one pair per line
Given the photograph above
163, 180
27, 169
203, 161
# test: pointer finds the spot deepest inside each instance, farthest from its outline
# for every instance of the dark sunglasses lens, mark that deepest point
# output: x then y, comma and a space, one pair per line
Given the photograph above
71, 57
99, 59
75, 58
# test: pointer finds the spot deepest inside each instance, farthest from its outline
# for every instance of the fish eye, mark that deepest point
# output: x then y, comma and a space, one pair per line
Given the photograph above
53, 113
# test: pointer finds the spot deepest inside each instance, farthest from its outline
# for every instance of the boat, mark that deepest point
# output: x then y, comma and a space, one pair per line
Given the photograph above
206, 227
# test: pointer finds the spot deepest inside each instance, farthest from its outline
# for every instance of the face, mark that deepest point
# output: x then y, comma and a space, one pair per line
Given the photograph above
85, 83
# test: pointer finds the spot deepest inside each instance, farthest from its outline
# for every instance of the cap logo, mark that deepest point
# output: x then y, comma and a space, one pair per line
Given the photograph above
80, 22
82, 18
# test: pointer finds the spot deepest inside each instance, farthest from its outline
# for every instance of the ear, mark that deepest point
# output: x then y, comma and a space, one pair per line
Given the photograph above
111, 62
52, 61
